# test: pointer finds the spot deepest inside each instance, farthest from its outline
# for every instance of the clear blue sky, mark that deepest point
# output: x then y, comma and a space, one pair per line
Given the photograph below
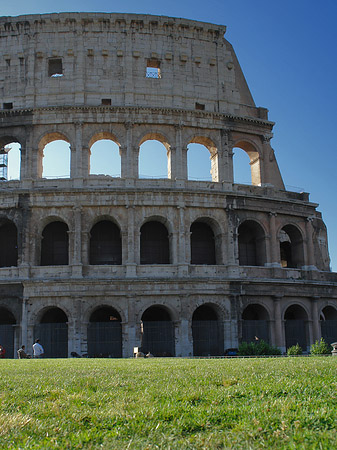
287, 50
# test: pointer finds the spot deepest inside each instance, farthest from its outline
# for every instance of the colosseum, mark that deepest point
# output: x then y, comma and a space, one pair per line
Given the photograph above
96, 264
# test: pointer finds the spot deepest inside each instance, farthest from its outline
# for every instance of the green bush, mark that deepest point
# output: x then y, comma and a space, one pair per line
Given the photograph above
320, 348
257, 348
294, 350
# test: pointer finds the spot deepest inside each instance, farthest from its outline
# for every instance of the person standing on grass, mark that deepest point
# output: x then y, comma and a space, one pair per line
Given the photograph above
38, 351
2, 351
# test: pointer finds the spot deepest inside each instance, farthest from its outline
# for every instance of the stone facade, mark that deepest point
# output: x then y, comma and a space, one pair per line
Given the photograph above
81, 77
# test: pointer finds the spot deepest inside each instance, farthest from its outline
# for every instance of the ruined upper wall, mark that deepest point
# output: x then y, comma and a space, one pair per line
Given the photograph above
105, 56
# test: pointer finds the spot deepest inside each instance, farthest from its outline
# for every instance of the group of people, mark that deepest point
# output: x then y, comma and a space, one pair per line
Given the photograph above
38, 351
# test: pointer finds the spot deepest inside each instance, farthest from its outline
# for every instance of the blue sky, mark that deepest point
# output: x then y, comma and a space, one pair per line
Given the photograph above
287, 50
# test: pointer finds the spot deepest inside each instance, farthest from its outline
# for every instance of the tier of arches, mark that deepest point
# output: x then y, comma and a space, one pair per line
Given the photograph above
106, 247
158, 329
198, 157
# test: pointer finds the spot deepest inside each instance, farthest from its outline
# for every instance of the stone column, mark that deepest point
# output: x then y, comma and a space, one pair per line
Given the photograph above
77, 242
278, 332
130, 163
310, 259
132, 244
274, 247
179, 157
225, 159
316, 328
76, 165
24, 322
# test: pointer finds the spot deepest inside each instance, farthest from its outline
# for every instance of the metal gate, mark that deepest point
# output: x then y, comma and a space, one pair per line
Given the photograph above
105, 340
329, 331
207, 338
252, 329
54, 339
158, 337
296, 333
7, 339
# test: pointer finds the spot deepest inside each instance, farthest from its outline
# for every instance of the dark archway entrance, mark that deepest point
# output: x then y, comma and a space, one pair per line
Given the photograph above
202, 244
54, 246
157, 332
105, 243
296, 327
7, 326
8, 245
291, 247
105, 333
252, 251
207, 332
154, 244
53, 333
255, 324
329, 324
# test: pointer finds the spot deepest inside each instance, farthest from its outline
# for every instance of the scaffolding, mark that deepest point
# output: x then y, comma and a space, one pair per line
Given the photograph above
3, 163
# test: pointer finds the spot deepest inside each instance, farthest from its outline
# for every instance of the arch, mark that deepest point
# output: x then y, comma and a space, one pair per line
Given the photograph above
296, 326
154, 243
328, 320
8, 244
54, 156
7, 328
10, 161
255, 323
291, 247
105, 333
241, 167
252, 245
53, 332
105, 158
105, 244
255, 160
207, 331
157, 331
154, 158
200, 163
55, 244
202, 243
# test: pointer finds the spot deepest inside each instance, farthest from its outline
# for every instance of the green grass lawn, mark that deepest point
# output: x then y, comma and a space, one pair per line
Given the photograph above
285, 403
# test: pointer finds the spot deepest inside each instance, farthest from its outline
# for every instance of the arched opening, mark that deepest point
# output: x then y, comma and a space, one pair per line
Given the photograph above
56, 158
8, 244
154, 244
54, 246
105, 333
207, 332
7, 327
296, 327
53, 333
241, 167
202, 244
291, 247
252, 249
255, 324
328, 319
157, 332
240, 163
199, 165
105, 244
153, 159
10, 161
105, 158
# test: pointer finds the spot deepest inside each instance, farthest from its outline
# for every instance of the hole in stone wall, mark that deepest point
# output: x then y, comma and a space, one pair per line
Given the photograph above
241, 166
56, 160
198, 162
105, 158
55, 67
153, 69
8, 106
153, 160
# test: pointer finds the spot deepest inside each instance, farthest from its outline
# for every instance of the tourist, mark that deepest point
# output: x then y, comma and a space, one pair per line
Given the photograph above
22, 353
2, 351
38, 351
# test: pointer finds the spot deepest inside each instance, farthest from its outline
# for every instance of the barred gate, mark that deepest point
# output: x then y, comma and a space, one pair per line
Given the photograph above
207, 338
329, 330
105, 340
296, 333
7, 339
54, 339
252, 329
158, 338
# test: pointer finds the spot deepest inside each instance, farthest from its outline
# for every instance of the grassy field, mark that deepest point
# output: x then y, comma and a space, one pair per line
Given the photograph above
285, 403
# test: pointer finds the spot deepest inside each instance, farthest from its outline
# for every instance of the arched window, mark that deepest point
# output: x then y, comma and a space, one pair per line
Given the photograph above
154, 244
105, 244
7, 324
328, 320
105, 158
53, 333
207, 332
54, 246
56, 159
105, 333
153, 159
291, 247
241, 172
8, 244
199, 163
241, 167
252, 250
10, 161
255, 324
296, 327
157, 332
202, 244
